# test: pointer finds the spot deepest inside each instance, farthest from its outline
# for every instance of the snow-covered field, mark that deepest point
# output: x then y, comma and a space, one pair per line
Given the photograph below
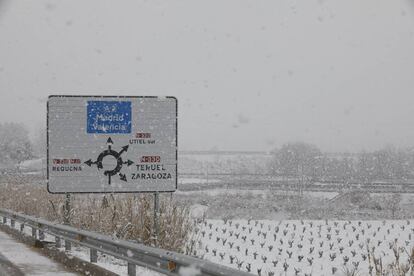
309, 247
184, 181
291, 247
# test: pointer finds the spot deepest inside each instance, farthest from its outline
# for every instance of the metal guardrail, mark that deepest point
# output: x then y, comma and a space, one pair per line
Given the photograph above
163, 261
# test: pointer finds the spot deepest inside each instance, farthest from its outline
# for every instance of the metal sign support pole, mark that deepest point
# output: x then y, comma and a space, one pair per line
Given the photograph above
66, 218
67, 210
156, 215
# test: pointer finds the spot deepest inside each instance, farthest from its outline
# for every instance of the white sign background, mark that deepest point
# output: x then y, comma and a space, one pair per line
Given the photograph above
119, 144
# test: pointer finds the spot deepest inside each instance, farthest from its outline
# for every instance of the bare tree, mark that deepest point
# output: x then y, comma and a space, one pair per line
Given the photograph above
15, 145
298, 160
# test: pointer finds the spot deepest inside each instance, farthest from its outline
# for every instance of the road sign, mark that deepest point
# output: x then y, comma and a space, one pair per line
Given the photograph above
109, 144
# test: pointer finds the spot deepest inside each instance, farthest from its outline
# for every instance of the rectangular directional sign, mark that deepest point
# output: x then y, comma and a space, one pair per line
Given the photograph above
102, 144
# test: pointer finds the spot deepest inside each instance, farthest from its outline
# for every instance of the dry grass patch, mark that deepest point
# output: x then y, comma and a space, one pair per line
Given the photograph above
125, 216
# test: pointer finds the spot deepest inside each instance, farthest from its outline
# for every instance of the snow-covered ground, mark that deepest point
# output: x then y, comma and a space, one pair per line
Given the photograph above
288, 247
254, 192
110, 263
310, 247
29, 261
35, 166
184, 181
105, 261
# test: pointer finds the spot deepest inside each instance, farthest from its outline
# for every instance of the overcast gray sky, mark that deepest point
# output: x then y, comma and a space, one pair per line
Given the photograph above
249, 75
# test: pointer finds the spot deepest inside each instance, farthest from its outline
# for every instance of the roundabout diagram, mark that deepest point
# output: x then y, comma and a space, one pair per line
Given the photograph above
115, 167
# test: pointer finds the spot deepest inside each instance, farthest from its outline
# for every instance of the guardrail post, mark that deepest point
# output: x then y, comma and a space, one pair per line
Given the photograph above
41, 235
21, 227
58, 242
68, 245
132, 270
34, 234
94, 255
12, 223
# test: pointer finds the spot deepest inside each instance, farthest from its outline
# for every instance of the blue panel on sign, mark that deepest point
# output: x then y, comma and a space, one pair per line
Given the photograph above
109, 117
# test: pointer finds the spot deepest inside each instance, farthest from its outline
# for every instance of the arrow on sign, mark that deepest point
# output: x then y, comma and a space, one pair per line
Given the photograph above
90, 162
123, 177
129, 162
124, 149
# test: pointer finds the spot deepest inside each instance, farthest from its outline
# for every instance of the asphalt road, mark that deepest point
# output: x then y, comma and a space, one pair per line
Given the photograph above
18, 259
7, 268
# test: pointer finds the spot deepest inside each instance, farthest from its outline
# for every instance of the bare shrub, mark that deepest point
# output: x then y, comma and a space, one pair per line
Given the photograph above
397, 267
127, 217
353, 271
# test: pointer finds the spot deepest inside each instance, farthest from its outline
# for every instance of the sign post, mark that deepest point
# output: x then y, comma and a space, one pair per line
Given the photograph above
66, 218
67, 210
156, 217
